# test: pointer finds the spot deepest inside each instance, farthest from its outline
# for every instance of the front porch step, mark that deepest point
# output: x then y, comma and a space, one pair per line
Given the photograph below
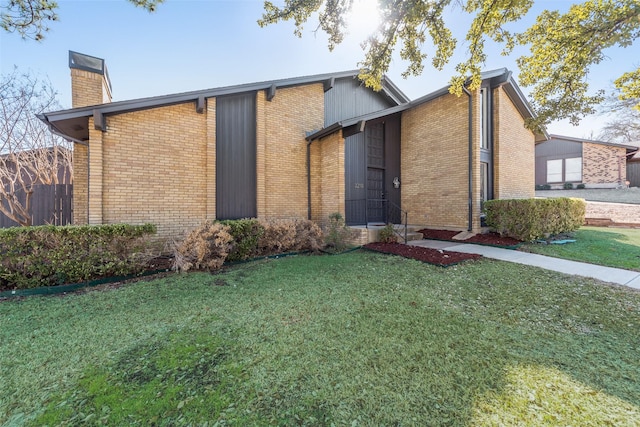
414, 235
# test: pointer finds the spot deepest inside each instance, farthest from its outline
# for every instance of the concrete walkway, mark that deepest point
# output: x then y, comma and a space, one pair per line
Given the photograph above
606, 274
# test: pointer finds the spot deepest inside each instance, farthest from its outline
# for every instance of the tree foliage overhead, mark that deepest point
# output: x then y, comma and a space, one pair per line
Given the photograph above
30, 18
562, 46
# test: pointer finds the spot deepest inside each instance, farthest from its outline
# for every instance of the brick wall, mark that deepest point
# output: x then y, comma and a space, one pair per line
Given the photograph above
601, 164
159, 165
434, 158
155, 168
514, 151
282, 149
88, 88
80, 184
327, 177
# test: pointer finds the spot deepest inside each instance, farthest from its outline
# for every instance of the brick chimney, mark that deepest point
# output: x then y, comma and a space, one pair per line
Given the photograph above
90, 84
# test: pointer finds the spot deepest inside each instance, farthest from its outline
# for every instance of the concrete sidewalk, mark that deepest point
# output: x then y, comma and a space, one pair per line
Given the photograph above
606, 274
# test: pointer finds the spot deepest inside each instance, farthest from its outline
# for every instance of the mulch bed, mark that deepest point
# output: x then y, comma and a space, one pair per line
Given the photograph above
491, 239
428, 255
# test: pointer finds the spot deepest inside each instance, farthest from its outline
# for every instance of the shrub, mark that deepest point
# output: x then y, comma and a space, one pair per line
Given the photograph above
337, 233
530, 219
288, 235
309, 236
543, 187
32, 257
568, 186
580, 186
205, 247
245, 233
388, 234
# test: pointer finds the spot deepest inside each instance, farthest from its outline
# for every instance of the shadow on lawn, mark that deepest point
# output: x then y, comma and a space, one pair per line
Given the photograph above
392, 342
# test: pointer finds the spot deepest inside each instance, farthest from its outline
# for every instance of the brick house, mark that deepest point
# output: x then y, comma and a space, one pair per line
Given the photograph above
302, 147
596, 164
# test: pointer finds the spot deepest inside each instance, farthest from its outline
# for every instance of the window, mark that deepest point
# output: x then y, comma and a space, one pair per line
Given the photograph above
573, 169
484, 116
484, 183
564, 170
554, 170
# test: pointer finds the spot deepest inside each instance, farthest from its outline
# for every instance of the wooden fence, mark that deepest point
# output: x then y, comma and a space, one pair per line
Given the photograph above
51, 204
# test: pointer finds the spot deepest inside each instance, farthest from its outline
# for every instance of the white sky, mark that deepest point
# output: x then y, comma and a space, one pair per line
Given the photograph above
197, 44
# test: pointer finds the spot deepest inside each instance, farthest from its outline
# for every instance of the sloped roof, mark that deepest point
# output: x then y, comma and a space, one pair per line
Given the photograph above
629, 148
73, 123
500, 77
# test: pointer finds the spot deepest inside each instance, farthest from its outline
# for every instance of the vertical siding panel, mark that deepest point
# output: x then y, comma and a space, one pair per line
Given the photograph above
236, 188
349, 98
355, 179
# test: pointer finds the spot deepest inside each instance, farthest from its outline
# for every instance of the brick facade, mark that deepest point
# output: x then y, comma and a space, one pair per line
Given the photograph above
282, 149
154, 169
88, 88
434, 159
327, 177
80, 184
603, 164
514, 151
159, 165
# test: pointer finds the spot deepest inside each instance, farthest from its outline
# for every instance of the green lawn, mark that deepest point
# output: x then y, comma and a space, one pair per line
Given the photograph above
613, 247
355, 339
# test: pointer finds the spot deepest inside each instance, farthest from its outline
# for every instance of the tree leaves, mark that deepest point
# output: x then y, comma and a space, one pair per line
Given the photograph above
563, 46
29, 18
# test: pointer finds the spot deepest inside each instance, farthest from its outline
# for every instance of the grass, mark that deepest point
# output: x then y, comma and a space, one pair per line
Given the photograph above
355, 339
611, 247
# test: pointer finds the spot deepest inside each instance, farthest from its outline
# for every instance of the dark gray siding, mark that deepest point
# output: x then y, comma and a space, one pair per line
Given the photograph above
236, 156
355, 158
349, 98
559, 149
633, 174
552, 150
365, 164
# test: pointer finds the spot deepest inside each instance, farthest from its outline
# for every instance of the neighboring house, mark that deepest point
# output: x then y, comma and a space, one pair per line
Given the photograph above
633, 169
303, 147
596, 164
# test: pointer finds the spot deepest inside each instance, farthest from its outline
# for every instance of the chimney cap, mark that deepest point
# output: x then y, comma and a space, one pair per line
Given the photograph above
89, 63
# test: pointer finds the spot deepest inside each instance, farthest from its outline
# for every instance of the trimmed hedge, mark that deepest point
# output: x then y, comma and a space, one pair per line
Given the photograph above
530, 219
48, 255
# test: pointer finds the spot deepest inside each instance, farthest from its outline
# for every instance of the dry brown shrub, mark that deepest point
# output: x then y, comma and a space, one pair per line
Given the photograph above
206, 247
309, 236
286, 235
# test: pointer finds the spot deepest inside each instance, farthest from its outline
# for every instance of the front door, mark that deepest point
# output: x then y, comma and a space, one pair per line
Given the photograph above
375, 195
376, 208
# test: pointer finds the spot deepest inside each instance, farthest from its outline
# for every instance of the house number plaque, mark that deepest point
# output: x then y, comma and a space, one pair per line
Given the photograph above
359, 185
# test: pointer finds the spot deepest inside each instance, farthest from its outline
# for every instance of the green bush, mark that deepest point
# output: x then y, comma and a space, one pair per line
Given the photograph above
530, 219
568, 186
388, 234
48, 255
337, 234
245, 233
205, 247
580, 186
